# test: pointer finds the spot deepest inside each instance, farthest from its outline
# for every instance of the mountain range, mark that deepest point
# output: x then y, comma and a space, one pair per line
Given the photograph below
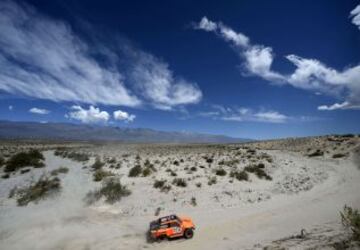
81, 132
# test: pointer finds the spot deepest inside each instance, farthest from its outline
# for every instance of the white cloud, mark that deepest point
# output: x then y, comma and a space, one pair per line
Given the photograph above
257, 58
310, 74
230, 35
355, 14
244, 114
11, 107
39, 111
344, 105
158, 85
123, 116
91, 115
258, 61
44, 58
206, 24
47, 60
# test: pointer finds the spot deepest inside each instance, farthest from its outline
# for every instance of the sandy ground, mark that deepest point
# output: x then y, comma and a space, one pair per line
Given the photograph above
304, 193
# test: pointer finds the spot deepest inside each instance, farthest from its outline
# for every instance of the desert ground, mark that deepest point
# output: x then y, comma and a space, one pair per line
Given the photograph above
277, 194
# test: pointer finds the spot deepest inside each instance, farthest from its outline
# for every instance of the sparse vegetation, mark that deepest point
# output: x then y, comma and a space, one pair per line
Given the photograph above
350, 219
317, 152
230, 163
76, 156
179, 182
60, 170
98, 164
212, 180
5, 176
159, 183
2, 161
240, 175
112, 190
135, 171
193, 201
32, 158
258, 170
100, 174
157, 211
146, 171
193, 169
220, 172
37, 191
338, 155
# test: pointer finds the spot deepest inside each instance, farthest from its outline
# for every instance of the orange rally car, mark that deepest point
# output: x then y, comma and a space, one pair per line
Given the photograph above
171, 226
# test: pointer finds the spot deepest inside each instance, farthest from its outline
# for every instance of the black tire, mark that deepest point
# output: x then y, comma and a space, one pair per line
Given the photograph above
189, 233
161, 238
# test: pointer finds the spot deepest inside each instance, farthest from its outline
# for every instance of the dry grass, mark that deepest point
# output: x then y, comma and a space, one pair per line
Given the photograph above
37, 191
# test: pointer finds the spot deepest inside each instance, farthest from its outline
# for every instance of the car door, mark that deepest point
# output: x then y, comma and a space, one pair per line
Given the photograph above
176, 229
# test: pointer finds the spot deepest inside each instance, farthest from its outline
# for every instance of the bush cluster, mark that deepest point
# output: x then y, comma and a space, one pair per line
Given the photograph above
112, 190
37, 191
32, 158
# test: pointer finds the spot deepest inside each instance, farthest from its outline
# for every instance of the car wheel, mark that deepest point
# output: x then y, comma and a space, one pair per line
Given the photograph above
189, 233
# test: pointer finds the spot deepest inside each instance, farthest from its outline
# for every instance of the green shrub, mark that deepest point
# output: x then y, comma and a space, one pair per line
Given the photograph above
317, 152
100, 174
350, 219
258, 171
81, 157
339, 155
112, 190
146, 171
37, 191
112, 160
24, 170
2, 161
180, 182
32, 158
98, 164
229, 163
220, 172
5, 176
159, 183
212, 180
193, 201
60, 170
135, 171
193, 169
240, 175
198, 184
63, 152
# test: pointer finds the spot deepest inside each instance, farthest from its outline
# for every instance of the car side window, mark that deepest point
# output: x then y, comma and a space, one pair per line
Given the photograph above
174, 224
164, 226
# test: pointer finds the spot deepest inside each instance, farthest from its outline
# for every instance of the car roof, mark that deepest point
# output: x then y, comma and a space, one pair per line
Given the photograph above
166, 219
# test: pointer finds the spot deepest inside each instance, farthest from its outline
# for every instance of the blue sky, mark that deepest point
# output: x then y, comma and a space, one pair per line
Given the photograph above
254, 69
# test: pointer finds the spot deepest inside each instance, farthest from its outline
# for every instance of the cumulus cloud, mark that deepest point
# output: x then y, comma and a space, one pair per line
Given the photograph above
91, 115
310, 74
123, 116
44, 58
206, 24
355, 14
39, 111
244, 114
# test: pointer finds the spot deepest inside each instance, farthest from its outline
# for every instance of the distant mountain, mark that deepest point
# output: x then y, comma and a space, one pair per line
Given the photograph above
77, 132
